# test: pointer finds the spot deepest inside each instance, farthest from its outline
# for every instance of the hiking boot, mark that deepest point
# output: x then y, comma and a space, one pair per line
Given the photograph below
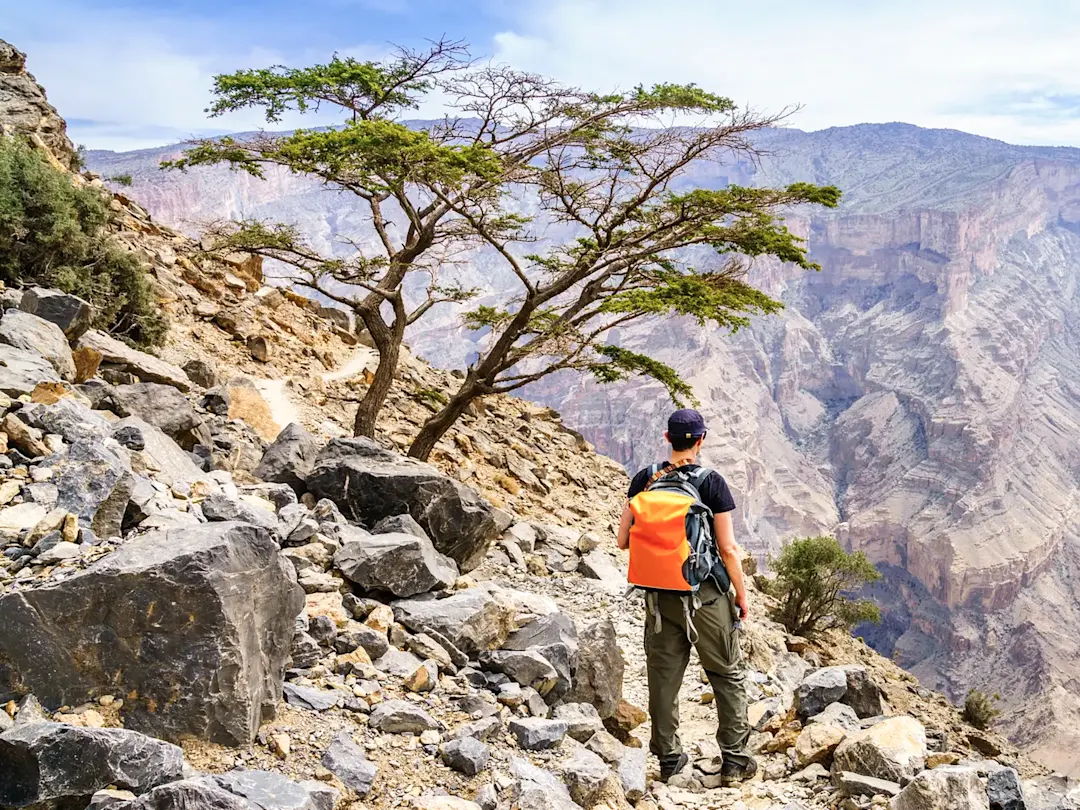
669, 766
732, 773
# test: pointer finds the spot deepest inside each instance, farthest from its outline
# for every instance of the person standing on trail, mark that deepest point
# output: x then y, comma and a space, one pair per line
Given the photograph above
677, 527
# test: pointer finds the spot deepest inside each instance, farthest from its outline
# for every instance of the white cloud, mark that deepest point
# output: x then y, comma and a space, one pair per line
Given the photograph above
932, 64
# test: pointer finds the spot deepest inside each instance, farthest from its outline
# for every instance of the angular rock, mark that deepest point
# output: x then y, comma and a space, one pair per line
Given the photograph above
69, 312
400, 524
322, 795
535, 785
816, 743
201, 372
473, 620
172, 466
397, 662
401, 564
483, 729
202, 793
265, 790
585, 774
162, 406
1004, 790
819, 689
214, 611
401, 717
444, 803
424, 678
33, 334
555, 628
839, 715
370, 484
220, 507
424, 646
466, 754
894, 750
537, 734
21, 371
346, 760
289, 458
582, 720
307, 697
95, 483
598, 678
857, 784
370, 640
527, 668
145, 366
597, 564
45, 761
863, 695
950, 787
604, 744
631, 770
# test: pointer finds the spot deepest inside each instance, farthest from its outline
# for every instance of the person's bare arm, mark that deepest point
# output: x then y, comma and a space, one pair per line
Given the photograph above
725, 540
624, 527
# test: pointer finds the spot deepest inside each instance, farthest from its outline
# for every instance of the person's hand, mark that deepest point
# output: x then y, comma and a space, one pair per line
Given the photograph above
743, 604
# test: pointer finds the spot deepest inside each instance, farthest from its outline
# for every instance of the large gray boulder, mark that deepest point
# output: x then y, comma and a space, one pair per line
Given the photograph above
172, 466
289, 458
893, 750
820, 689
474, 620
43, 761
145, 366
192, 625
95, 482
69, 312
555, 628
25, 331
598, 677
370, 483
527, 668
163, 407
401, 564
22, 370
265, 790
68, 418
200, 793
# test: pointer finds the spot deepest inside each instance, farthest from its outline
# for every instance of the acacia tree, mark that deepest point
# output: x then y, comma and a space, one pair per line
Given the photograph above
437, 191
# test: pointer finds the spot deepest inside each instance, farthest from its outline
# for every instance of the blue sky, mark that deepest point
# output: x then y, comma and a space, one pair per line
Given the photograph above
135, 74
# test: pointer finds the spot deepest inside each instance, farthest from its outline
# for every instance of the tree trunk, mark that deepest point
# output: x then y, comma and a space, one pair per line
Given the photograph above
387, 342
435, 427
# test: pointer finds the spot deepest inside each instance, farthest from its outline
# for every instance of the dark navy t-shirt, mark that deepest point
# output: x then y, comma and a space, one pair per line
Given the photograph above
714, 489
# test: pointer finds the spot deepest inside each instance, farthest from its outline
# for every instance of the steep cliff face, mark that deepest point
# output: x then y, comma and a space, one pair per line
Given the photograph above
25, 110
917, 397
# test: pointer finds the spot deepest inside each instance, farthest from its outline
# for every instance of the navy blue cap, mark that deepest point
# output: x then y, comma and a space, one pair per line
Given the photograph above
686, 423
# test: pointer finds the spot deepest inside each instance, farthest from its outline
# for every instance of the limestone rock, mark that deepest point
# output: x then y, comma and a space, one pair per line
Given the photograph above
94, 483
220, 507
33, 334
473, 620
598, 678
527, 668
145, 366
401, 717
69, 312
46, 761
467, 755
951, 787
857, 784
21, 371
537, 734
894, 749
162, 406
1004, 790
863, 695
819, 689
839, 715
401, 564
202, 372
370, 484
631, 769
346, 760
585, 774
816, 743
289, 458
582, 719
264, 789
214, 610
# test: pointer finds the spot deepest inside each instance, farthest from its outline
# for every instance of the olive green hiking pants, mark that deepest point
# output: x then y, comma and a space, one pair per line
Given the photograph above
667, 653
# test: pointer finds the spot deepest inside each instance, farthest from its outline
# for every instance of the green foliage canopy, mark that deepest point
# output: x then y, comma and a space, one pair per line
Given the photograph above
813, 575
55, 234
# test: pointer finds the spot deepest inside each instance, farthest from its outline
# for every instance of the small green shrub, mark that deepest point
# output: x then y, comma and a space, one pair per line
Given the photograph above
55, 234
121, 179
812, 577
432, 397
979, 709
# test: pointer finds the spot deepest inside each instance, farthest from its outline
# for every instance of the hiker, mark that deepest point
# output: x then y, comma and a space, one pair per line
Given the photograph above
694, 594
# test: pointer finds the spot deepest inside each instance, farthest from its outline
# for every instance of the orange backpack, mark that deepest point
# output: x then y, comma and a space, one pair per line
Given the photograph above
672, 541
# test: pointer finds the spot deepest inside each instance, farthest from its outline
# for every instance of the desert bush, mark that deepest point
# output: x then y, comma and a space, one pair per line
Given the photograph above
813, 576
979, 709
55, 234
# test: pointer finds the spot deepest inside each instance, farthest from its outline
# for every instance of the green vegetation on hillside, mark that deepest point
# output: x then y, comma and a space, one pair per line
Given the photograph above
55, 234
812, 577
980, 709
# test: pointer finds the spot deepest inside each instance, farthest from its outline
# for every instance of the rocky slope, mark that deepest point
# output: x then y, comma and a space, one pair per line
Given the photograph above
915, 398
